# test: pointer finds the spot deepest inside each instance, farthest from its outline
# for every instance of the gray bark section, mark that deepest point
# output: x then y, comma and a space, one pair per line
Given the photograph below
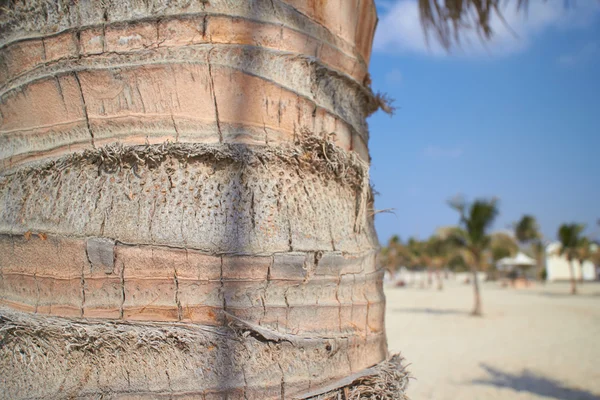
222, 199
101, 253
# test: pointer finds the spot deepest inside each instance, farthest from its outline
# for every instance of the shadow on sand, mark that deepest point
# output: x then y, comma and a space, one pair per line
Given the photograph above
560, 294
431, 311
527, 381
554, 294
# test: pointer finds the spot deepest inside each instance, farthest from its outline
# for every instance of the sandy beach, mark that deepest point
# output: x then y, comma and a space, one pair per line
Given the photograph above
537, 343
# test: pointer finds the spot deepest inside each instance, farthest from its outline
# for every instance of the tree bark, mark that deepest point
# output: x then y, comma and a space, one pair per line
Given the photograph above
573, 281
477, 306
477, 310
540, 267
184, 199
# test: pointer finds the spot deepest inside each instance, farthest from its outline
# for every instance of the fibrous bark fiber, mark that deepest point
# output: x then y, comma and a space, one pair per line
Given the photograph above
65, 358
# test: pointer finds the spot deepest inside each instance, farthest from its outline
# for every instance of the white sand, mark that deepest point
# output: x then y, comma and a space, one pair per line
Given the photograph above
535, 343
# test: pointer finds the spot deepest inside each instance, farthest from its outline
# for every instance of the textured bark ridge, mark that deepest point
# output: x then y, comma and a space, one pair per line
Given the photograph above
59, 358
81, 74
185, 209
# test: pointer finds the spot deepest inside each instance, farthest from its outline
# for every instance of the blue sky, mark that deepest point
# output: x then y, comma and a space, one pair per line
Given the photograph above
518, 118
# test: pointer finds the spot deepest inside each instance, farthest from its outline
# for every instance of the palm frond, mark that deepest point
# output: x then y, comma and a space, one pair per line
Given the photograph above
527, 229
480, 218
457, 237
502, 245
458, 203
447, 18
570, 239
584, 250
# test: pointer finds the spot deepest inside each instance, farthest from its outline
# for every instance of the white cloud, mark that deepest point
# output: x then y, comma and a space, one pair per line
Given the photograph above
437, 152
399, 29
579, 56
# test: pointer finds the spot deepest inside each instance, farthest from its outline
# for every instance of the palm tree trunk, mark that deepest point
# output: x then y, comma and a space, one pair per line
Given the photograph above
429, 277
580, 271
573, 282
189, 186
540, 268
477, 310
477, 306
438, 275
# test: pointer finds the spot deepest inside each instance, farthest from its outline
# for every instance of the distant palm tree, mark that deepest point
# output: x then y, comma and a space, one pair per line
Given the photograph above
527, 232
415, 252
584, 253
570, 242
538, 250
527, 229
501, 242
438, 251
416, 256
501, 245
395, 255
389, 254
475, 220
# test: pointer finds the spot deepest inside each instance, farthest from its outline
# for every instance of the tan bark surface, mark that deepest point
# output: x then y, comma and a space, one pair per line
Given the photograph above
185, 208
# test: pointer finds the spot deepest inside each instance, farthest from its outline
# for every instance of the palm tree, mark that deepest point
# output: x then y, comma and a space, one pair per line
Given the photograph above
528, 234
475, 220
570, 244
184, 198
501, 245
419, 257
395, 254
595, 258
539, 253
584, 253
439, 251
527, 229
182, 181
388, 254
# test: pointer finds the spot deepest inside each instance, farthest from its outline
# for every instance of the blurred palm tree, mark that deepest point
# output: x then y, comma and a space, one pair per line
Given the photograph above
527, 232
475, 220
501, 245
527, 229
596, 253
439, 251
415, 253
570, 243
394, 255
416, 257
584, 253
538, 250
457, 263
459, 259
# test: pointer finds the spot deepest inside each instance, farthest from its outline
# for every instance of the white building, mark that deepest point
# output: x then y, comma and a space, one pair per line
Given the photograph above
557, 267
